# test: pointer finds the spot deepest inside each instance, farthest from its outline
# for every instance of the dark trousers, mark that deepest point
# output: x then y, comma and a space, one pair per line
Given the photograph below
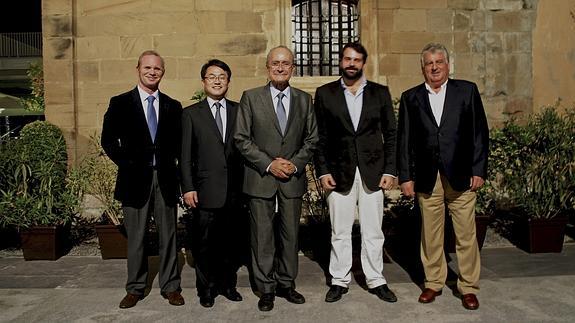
219, 246
135, 221
274, 268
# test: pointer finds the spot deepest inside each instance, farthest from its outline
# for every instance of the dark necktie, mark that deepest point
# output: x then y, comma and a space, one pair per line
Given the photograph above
218, 118
281, 112
152, 118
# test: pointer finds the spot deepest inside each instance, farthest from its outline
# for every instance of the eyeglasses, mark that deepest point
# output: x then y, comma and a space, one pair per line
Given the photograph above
212, 78
276, 65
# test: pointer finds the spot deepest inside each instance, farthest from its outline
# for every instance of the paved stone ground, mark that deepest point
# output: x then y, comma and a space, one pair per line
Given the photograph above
516, 287
81, 287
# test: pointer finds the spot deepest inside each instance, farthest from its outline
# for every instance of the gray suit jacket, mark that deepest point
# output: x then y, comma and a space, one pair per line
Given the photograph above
259, 140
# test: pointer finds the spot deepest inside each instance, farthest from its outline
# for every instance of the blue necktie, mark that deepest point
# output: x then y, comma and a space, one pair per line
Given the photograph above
281, 112
219, 119
152, 118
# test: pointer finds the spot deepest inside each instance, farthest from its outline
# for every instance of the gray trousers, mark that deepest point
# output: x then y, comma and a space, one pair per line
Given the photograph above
274, 268
135, 220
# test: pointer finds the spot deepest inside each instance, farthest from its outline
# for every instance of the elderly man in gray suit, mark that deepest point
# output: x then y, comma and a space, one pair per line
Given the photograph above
276, 132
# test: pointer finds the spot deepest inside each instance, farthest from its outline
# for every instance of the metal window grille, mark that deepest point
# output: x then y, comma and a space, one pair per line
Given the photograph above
320, 28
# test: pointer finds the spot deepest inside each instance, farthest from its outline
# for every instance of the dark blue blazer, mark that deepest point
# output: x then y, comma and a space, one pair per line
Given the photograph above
458, 146
127, 141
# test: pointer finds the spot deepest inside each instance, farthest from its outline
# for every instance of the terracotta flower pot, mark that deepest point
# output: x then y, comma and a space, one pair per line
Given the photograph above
112, 240
44, 242
541, 235
481, 223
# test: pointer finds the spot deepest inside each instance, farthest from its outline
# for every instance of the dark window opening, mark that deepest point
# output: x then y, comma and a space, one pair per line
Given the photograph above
320, 28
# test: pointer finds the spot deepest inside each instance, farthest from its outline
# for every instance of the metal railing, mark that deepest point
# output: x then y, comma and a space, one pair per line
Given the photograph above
21, 44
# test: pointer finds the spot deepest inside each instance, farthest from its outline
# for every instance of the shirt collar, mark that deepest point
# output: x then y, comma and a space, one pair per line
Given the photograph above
430, 90
144, 95
361, 86
212, 101
275, 91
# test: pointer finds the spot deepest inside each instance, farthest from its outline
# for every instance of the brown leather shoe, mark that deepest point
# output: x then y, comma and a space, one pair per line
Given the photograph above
175, 298
470, 301
130, 300
428, 295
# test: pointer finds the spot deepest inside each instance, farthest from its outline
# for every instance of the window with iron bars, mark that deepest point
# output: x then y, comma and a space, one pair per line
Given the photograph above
319, 29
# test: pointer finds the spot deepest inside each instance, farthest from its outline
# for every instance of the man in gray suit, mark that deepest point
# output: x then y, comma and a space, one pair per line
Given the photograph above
276, 133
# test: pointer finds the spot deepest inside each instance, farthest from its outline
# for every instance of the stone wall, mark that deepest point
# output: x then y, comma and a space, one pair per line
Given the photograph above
554, 54
91, 49
489, 42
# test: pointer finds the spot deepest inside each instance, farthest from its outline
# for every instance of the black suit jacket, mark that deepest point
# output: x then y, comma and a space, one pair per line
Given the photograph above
127, 141
458, 146
208, 165
341, 148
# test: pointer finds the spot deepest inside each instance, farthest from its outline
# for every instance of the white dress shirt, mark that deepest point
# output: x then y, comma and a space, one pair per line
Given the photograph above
437, 100
223, 113
285, 100
354, 101
144, 99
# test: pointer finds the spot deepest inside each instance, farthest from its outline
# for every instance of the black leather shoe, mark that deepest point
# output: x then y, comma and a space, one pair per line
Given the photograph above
130, 300
290, 295
206, 301
384, 293
232, 294
266, 302
334, 293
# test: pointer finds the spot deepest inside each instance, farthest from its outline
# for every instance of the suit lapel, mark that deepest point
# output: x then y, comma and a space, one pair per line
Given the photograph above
162, 114
231, 119
293, 106
140, 121
367, 104
340, 105
423, 98
450, 96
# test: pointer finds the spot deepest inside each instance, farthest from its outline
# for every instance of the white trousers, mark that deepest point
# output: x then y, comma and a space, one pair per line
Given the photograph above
342, 207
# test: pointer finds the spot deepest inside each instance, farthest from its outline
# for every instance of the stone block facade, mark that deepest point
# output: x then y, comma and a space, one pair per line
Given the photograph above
91, 49
489, 41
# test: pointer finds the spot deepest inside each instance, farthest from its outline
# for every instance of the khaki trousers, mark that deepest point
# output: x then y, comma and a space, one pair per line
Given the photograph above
461, 207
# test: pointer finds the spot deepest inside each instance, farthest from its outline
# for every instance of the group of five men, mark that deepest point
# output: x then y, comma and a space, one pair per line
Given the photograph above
222, 153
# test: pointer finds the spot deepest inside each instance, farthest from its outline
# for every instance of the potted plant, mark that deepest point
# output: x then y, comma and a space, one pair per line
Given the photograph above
484, 210
40, 197
99, 173
9, 237
539, 179
315, 227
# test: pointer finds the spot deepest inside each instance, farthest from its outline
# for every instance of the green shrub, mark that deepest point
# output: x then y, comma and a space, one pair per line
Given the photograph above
38, 189
98, 173
535, 163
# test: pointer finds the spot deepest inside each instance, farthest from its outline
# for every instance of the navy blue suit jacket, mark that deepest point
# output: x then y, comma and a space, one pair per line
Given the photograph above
127, 141
458, 146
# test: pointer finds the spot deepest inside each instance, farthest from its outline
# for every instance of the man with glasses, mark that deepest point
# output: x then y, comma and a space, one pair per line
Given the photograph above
276, 133
211, 186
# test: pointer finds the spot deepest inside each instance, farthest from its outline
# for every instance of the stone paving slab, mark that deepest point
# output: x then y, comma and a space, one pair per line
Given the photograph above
515, 287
